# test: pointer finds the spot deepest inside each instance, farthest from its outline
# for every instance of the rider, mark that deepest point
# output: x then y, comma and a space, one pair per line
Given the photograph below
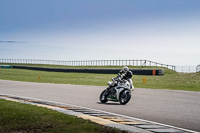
125, 74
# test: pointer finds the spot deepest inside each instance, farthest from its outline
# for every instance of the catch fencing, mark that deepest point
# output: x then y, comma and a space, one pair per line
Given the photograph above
186, 69
198, 68
141, 63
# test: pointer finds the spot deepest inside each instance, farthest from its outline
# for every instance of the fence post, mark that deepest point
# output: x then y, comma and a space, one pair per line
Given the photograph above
198, 68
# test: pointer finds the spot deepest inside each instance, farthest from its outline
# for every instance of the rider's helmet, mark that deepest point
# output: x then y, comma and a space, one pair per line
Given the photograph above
128, 75
125, 69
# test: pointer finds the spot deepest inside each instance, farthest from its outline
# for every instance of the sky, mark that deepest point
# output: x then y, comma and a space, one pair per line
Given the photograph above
164, 31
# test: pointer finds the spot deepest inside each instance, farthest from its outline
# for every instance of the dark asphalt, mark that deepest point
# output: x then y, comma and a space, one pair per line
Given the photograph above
176, 108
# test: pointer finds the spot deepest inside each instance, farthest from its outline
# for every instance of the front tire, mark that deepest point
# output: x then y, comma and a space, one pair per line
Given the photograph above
103, 97
124, 97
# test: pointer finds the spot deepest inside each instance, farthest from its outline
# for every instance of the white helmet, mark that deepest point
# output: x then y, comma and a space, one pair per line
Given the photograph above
125, 69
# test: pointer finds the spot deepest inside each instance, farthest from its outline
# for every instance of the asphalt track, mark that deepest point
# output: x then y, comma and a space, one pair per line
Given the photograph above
176, 108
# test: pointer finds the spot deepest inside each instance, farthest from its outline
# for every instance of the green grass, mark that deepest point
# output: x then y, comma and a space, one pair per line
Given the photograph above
55, 77
171, 80
179, 81
17, 117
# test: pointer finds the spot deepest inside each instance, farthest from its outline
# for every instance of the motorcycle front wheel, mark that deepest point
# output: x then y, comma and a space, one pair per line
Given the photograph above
124, 97
103, 97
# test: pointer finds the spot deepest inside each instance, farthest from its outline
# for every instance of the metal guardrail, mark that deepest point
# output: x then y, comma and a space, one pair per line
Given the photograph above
90, 62
142, 63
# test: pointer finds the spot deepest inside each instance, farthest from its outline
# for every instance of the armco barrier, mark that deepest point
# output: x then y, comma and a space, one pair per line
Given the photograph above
98, 71
5, 66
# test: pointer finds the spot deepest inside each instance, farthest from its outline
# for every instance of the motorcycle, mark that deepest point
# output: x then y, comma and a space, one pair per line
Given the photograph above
118, 91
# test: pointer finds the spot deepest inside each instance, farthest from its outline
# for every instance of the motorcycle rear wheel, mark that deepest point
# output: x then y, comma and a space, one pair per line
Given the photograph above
124, 98
103, 97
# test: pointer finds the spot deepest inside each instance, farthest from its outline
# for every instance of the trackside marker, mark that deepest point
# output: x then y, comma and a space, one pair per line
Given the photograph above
154, 72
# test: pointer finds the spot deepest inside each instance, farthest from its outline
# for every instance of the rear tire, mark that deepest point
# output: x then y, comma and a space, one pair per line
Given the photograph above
124, 98
103, 97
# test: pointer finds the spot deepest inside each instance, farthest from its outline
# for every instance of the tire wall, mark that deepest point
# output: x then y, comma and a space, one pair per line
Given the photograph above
97, 71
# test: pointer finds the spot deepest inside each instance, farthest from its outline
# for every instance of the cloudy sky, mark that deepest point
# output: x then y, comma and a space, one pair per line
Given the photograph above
165, 31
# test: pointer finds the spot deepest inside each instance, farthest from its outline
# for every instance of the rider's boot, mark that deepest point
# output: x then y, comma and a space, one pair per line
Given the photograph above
107, 90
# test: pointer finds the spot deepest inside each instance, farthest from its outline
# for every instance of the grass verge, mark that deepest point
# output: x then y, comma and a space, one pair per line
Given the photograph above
171, 80
17, 117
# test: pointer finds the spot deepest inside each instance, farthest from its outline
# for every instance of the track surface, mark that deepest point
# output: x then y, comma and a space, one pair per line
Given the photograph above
176, 108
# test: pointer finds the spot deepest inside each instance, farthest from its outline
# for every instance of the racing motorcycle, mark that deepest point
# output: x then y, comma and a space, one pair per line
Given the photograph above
118, 91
